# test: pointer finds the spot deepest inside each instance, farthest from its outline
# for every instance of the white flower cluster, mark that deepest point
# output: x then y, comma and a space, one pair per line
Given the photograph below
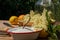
39, 21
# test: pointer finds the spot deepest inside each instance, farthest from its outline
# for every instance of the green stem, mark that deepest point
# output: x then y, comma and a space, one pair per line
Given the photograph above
49, 24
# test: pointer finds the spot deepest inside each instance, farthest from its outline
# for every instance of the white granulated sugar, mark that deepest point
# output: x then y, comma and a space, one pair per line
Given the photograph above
20, 30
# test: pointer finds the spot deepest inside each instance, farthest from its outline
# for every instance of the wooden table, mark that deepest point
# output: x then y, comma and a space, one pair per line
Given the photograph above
3, 35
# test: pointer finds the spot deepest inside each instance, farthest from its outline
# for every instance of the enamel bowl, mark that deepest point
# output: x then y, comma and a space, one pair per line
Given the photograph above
27, 33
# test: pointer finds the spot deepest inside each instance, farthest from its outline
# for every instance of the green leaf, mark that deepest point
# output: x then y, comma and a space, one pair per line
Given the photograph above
53, 36
49, 23
57, 27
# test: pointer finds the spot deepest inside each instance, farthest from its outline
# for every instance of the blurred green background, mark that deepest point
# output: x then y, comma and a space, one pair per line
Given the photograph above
9, 8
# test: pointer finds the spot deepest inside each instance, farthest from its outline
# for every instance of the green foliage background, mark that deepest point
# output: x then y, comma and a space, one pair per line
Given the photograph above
17, 7
56, 9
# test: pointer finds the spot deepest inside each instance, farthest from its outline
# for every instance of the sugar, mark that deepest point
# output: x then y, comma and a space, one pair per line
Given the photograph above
20, 30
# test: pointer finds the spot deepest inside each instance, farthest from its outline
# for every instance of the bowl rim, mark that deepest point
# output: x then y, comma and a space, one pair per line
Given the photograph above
23, 32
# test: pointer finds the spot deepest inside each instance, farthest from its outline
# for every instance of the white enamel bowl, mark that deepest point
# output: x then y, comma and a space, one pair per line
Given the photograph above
23, 34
